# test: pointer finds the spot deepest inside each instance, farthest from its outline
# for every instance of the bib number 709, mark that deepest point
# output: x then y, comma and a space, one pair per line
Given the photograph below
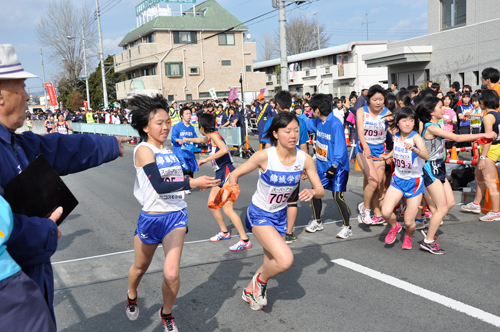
277, 198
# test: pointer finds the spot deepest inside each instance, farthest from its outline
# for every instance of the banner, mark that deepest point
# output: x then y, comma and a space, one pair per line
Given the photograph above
233, 94
52, 94
146, 4
262, 91
213, 93
85, 106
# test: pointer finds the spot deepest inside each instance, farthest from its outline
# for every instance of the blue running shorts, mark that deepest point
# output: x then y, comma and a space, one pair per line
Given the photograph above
223, 173
152, 228
375, 150
410, 188
338, 183
259, 217
434, 170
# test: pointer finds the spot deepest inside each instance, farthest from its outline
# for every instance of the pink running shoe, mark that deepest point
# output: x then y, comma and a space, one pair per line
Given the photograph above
391, 236
377, 220
407, 242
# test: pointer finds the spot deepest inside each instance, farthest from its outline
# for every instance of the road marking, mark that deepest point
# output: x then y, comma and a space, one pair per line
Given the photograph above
435, 297
160, 246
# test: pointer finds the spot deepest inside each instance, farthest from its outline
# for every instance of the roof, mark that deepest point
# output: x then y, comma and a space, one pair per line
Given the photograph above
398, 55
215, 18
316, 54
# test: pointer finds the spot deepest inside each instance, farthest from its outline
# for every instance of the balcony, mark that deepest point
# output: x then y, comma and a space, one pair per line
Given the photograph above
348, 71
141, 85
136, 57
310, 73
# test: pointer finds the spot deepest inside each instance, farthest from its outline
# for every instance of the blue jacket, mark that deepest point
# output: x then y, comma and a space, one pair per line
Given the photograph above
34, 240
270, 112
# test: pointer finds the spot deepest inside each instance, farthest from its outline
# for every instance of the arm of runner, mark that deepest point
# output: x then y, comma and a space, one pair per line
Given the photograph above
317, 190
488, 122
200, 139
69, 126
216, 142
419, 147
257, 160
360, 114
437, 131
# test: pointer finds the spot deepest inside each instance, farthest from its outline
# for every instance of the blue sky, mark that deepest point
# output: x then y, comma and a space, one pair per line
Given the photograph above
392, 20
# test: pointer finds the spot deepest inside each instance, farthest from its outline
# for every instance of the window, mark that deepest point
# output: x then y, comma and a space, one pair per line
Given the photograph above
189, 97
249, 69
476, 76
462, 78
185, 37
194, 70
222, 94
226, 39
129, 76
448, 77
453, 13
171, 98
150, 38
153, 70
145, 72
133, 74
427, 74
204, 95
173, 68
226, 62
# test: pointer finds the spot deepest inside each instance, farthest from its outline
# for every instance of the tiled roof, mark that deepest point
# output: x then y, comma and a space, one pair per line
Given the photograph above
215, 18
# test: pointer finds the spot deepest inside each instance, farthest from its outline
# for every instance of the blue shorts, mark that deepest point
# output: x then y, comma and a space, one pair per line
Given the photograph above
188, 163
410, 188
434, 170
259, 217
376, 150
223, 173
152, 228
338, 183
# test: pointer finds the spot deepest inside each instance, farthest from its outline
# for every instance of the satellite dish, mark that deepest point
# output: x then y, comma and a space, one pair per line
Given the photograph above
248, 36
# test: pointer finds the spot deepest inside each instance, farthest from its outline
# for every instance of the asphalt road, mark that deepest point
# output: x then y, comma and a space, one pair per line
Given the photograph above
328, 288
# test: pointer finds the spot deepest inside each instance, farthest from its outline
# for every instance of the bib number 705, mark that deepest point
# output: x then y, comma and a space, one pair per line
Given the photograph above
277, 198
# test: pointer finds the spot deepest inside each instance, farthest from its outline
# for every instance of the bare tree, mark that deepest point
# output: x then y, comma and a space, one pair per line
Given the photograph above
62, 19
302, 35
268, 47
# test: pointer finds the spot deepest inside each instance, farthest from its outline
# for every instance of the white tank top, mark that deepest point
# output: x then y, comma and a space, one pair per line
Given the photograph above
375, 129
407, 164
278, 182
170, 170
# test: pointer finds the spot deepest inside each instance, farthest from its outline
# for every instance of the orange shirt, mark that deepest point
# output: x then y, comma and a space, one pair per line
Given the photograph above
496, 87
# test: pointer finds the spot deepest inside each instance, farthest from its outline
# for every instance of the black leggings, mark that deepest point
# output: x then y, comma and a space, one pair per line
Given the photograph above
338, 197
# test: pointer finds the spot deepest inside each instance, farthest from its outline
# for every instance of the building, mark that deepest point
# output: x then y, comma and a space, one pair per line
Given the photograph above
337, 70
462, 40
185, 56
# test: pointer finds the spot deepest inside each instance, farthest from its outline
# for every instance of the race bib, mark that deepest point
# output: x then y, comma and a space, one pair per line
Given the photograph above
278, 196
321, 151
374, 132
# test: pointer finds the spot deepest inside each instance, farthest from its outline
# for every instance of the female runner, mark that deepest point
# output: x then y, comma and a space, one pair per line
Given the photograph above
280, 168
61, 126
371, 124
159, 188
409, 153
431, 111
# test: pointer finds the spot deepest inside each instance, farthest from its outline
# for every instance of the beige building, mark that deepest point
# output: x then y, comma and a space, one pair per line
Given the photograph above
183, 57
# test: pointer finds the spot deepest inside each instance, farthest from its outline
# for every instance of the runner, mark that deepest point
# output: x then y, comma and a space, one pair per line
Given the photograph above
61, 126
29, 123
486, 170
409, 153
432, 110
49, 124
371, 123
159, 188
222, 163
332, 161
280, 169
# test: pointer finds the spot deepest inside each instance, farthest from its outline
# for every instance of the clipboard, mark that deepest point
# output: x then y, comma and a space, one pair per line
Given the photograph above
38, 190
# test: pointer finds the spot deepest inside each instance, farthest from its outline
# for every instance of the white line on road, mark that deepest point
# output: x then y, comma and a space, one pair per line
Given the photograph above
435, 297
160, 246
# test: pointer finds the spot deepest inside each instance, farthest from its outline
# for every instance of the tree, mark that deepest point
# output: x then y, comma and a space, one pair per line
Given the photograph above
302, 35
95, 83
63, 18
77, 101
268, 47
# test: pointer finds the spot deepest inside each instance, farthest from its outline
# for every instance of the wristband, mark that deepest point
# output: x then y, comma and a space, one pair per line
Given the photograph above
482, 158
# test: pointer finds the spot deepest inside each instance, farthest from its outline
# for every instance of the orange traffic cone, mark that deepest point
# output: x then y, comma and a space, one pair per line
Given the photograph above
487, 207
454, 155
346, 134
356, 166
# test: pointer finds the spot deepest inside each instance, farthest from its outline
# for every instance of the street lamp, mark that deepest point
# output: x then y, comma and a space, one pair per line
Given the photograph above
104, 89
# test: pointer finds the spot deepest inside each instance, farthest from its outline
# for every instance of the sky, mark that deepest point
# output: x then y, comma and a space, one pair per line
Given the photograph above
389, 20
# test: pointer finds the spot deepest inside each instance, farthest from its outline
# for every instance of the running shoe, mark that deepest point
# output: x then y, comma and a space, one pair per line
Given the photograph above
345, 232
187, 192
259, 291
421, 224
361, 207
491, 216
132, 309
168, 322
391, 236
471, 207
365, 218
427, 212
291, 238
424, 233
407, 242
220, 236
377, 220
314, 226
248, 298
433, 248
241, 245
399, 211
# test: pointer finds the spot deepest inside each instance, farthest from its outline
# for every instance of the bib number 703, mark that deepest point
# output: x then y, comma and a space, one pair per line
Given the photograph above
277, 198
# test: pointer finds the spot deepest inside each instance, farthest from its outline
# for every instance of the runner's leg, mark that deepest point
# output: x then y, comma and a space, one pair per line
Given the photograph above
172, 248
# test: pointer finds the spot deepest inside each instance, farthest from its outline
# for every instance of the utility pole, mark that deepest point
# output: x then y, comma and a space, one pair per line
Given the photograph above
367, 23
104, 90
319, 41
44, 86
284, 56
85, 67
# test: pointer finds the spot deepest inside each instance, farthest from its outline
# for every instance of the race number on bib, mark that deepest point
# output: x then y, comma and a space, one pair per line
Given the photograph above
321, 151
279, 196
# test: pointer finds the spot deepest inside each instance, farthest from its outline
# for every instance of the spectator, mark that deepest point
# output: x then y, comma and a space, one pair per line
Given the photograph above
263, 112
394, 88
362, 100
